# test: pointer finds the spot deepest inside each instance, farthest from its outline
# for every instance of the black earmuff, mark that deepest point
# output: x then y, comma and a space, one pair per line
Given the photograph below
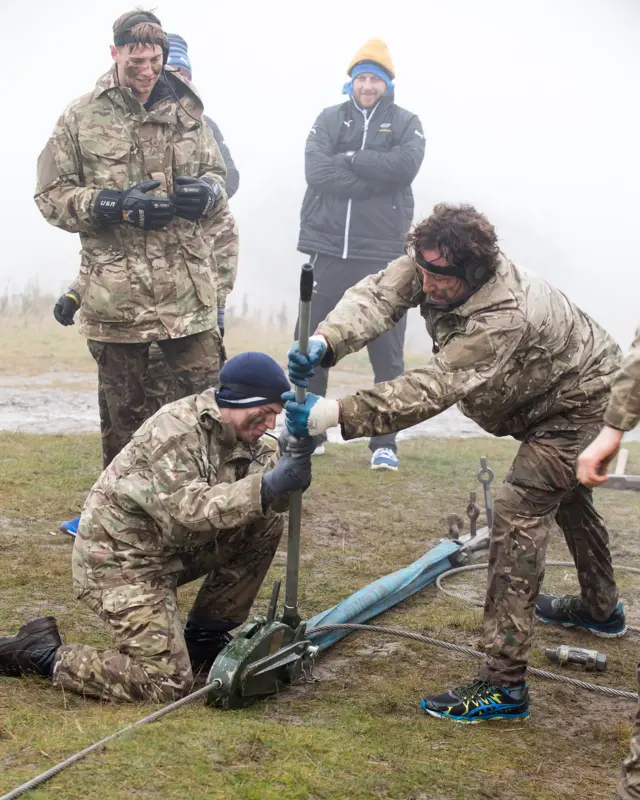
477, 274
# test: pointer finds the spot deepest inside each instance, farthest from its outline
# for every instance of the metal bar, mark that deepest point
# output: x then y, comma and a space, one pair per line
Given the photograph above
621, 462
291, 616
485, 476
622, 482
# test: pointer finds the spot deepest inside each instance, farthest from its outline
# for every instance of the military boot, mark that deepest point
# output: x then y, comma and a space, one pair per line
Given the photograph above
32, 650
204, 644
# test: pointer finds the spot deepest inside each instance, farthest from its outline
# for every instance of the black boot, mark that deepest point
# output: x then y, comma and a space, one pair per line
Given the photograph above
32, 650
204, 644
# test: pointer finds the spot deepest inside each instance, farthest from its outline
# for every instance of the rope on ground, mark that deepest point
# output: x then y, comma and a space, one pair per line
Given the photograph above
476, 604
44, 776
460, 648
417, 637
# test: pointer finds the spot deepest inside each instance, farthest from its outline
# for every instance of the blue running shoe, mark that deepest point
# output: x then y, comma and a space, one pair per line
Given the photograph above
384, 458
70, 526
569, 612
479, 702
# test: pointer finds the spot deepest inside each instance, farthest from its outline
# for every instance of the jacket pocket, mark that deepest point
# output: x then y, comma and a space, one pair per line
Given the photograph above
105, 160
185, 154
310, 205
198, 260
105, 286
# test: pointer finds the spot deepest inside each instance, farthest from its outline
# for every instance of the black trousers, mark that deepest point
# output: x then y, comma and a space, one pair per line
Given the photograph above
333, 276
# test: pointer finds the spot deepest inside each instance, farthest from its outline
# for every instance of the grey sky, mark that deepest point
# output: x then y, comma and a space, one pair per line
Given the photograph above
530, 111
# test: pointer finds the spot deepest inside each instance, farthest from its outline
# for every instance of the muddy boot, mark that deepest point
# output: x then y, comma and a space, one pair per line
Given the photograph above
32, 650
204, 644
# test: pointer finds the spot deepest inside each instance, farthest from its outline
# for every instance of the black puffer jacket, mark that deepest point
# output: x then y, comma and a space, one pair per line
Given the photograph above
360, 206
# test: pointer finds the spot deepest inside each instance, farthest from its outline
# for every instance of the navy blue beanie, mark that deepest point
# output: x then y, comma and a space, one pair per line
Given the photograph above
178, 53
249, 380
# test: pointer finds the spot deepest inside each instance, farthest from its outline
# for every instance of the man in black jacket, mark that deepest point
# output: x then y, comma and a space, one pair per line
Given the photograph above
360, 159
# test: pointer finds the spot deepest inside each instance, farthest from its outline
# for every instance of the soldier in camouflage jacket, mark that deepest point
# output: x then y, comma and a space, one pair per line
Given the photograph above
133, 170
196, 492
519, 359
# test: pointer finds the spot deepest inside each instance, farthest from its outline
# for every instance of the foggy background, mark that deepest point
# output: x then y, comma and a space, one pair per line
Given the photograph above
530, 111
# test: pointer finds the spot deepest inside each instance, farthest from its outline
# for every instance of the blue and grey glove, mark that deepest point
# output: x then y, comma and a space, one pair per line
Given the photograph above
311, 418
221, 320
292, 470
302, 367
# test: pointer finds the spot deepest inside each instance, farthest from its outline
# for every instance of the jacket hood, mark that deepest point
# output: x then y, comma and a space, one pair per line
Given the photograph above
187, 110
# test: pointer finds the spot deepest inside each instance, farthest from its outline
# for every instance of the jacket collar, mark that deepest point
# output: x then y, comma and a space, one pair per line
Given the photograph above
187, 112
211, 420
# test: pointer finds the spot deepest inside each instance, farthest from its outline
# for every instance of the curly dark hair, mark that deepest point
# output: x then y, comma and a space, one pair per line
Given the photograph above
464, 236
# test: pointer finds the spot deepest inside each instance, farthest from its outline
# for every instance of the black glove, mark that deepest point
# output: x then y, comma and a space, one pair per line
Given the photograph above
147, 212
66, 307
292, 470
195, 198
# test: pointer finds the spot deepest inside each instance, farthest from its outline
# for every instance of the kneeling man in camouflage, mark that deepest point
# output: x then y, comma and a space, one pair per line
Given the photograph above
195, 492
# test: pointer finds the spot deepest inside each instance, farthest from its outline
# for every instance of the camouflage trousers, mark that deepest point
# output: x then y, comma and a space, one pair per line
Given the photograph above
540, 492
629, 784
122, 381
149, 660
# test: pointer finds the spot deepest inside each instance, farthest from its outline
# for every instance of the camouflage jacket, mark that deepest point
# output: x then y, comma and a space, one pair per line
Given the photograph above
517, 352
183, 477
135, 285
623, 411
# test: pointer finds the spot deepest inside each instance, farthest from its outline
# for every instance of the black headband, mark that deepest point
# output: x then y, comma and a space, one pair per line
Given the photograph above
452, 270
122, 34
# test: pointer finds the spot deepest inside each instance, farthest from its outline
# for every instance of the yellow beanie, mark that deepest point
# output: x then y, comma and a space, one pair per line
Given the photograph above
374, 50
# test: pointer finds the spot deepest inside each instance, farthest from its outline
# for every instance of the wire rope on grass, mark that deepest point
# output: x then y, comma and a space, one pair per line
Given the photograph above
417, 637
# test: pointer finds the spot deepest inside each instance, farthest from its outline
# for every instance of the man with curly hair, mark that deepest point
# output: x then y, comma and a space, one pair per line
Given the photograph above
521, 360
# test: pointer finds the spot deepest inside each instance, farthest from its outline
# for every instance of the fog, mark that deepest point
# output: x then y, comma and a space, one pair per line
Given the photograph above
530, 111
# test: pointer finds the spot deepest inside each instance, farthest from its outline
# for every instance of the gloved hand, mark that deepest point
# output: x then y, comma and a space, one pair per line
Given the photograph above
195, 198
147, 212
66, 307
292, 471
221, 320
303, 446
302, 367
315, 416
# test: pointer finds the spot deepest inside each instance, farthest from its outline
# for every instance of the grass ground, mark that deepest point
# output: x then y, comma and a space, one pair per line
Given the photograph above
358, 732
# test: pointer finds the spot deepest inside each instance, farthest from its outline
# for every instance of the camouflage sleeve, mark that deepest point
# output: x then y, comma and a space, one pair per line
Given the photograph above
220, 229
466, 362
183, 489
370, 308
62, 199
623, 411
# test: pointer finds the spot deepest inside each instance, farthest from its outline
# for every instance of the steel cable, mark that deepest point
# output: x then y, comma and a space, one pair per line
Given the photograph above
44, 776
417, 637
460, 648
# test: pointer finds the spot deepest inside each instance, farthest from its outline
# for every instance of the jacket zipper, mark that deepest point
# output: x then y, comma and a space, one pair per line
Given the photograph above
347, 224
